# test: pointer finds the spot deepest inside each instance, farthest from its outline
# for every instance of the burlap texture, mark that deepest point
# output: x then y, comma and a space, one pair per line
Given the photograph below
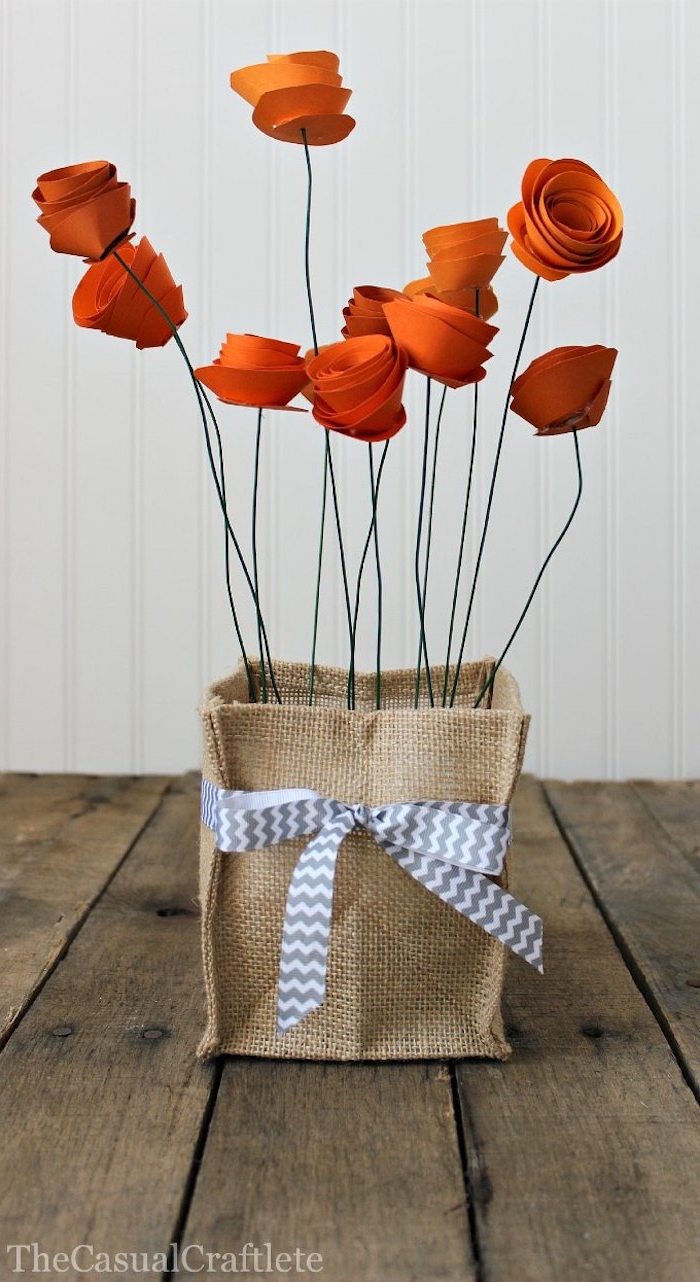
408, 977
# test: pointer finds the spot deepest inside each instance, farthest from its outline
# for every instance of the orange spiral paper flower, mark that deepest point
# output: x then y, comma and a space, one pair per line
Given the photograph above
565, 389
262, 372
465, 299
444, 342
295, 91
357, 387
85, 210
567, 222
465, 255
364, 313
109, 300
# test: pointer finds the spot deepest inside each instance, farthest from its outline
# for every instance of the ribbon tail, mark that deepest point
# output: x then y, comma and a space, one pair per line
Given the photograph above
307, 924
479, 899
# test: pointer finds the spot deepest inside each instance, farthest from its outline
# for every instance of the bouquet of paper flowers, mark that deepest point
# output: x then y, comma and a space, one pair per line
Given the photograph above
308, 954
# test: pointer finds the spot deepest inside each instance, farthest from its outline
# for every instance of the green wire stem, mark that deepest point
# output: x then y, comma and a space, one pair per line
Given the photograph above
422, 646
327, 471
219, 483
254, 544
536, 584
494, 474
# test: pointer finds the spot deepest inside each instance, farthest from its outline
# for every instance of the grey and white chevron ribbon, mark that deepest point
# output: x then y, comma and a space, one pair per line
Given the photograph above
447, 846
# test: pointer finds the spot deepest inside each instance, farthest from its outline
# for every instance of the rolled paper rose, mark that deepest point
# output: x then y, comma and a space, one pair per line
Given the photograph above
357, 387
85, 210
292, 92
443, 342
465, 255
568, 220
250, 370
565, 389
364, 313
109, 300
466, 299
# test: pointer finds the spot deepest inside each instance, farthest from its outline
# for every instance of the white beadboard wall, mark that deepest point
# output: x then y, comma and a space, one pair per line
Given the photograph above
114, 611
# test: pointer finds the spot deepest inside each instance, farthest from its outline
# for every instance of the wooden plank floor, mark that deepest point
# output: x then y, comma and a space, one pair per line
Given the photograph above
578, 1159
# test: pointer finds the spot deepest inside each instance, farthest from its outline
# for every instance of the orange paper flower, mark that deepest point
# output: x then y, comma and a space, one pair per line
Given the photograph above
250, 370
565, 389
85, 210
364, 313
465, 299
109, 300
295, 91
444, 342
465, 255
358, 384
567, 222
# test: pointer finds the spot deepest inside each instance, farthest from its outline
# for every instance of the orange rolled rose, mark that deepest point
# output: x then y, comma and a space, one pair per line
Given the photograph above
568, 220
443, 342
109, 300
250, 370
357, 387
85, 210
565, 390
465, 255
295, 91
465, 299
364, 313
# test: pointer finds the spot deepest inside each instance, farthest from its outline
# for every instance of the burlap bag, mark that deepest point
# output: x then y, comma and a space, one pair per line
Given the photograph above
408, 976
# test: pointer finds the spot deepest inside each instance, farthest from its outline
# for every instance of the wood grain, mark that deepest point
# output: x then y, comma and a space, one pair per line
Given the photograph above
676, 807
650, 895
359, 1163
61, 838
584, 1150
102, 1099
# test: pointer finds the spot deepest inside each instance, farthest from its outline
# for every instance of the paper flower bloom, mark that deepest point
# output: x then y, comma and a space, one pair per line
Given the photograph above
568, 221
357, 387
465, 299
109, 300
565, 389
250, 370
364, 313
444, 342
465, 255
295, 91
85, 210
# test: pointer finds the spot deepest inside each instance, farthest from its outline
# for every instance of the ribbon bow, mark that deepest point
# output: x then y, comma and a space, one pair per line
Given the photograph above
447, 846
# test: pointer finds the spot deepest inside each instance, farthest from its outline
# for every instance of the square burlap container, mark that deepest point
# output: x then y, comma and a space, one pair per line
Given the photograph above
408, 976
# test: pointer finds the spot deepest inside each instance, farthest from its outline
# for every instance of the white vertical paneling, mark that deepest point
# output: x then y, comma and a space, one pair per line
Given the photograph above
114, 605
688, 305
644, 387
36, 379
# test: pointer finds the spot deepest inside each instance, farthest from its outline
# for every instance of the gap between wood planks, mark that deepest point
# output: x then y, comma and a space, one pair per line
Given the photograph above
636, 856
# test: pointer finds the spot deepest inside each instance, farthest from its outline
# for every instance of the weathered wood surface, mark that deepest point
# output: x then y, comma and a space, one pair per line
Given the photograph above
578, 1159
61, 838
649, 893
676, 807
584, 1153
358, 1163
101, 1098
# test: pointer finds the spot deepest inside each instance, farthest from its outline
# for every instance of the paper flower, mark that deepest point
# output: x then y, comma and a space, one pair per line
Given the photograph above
250, 370
465, 299
444, 342
566, 388
364, 313
295, 91
465, 255
109, 300
568, 221
85, 210
357, 387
